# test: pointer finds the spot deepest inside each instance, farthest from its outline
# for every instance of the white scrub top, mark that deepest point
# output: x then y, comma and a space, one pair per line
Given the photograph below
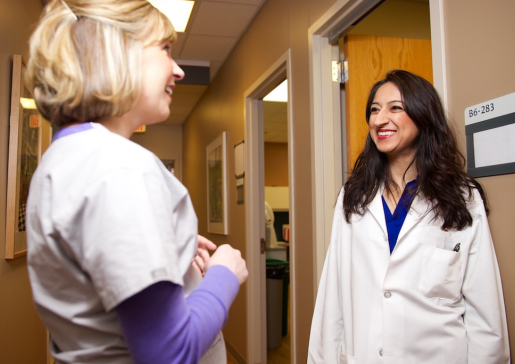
106, 219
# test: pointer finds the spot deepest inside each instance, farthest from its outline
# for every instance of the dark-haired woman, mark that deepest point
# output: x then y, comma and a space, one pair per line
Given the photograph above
411, 274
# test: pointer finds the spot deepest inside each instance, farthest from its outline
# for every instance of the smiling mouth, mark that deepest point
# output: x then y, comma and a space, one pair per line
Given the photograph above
386, 133
169, 90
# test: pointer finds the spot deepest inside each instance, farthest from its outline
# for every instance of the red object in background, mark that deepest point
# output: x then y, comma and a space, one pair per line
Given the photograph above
34, 120
286, 232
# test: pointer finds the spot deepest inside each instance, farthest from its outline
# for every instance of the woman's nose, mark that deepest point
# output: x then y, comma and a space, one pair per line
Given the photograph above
178, 73
381, 118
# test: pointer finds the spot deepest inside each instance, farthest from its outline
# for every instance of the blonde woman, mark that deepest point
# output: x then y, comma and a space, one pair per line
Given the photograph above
111, 233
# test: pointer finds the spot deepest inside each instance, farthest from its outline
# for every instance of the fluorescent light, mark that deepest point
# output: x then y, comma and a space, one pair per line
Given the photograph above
178, 11
278, 94
27, 103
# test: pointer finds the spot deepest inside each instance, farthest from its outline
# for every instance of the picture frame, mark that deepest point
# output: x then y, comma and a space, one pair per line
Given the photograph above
216, 164
25, 143
170, 165
239, 160
174, 166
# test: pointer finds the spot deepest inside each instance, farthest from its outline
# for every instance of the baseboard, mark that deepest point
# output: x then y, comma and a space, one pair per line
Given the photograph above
234, 353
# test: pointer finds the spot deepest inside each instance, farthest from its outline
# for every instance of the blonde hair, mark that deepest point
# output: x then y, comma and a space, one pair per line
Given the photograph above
86, 57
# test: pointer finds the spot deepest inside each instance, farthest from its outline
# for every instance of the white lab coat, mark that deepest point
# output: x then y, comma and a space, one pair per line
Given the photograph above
424, 303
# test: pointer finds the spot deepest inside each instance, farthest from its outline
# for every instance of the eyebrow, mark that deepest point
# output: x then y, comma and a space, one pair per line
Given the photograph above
388, 103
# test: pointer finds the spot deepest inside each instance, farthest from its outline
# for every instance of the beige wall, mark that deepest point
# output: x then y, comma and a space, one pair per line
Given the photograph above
163, 140
219, 112
480, 58
280, 25
22, 336
276, 164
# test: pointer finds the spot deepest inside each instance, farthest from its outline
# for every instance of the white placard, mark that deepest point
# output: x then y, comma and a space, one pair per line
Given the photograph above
494, 146
490, 109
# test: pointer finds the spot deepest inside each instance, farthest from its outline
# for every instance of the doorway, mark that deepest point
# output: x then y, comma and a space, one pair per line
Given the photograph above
327, 104
277, 220
255, 209
378, 43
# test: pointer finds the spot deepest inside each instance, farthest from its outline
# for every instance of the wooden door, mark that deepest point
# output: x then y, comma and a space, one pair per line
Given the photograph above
369, 58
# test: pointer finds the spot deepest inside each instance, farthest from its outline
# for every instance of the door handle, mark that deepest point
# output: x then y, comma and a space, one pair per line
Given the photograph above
263, 246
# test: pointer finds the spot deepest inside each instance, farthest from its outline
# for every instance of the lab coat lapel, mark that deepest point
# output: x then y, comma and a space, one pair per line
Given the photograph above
419, 209
376, 209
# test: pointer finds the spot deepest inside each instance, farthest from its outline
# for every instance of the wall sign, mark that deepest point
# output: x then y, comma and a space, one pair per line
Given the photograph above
490, 133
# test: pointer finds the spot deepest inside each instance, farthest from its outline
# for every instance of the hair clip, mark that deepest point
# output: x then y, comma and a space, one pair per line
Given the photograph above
70, 10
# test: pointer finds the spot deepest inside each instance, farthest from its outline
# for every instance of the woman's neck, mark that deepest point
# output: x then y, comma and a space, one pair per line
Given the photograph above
121, 125
403, 170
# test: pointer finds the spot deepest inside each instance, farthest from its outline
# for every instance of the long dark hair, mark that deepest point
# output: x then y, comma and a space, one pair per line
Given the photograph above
440, 165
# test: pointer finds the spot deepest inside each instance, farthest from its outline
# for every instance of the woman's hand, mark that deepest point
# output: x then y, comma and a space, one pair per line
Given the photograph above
202, 256
230, 258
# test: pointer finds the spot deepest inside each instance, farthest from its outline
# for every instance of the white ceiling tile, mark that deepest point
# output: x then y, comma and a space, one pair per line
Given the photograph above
276, 126
177, 46
214, 29
276, 137
223, 19
203, 47
275, 115
271, 134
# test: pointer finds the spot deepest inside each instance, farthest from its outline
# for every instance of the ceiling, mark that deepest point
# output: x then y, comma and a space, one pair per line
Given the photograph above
212, 32
275, 117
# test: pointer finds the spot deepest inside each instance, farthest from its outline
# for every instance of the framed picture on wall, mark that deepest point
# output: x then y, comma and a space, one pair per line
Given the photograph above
169, 164
25, 141
216, 155
174, 166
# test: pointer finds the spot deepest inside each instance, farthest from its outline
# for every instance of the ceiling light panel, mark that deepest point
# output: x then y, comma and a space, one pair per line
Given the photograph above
28, 103
178, 11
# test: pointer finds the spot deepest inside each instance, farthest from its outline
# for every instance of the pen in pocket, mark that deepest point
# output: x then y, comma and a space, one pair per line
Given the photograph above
456, 248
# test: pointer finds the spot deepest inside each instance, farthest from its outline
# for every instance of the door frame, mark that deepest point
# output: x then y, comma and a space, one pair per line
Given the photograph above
326, 105
254, 208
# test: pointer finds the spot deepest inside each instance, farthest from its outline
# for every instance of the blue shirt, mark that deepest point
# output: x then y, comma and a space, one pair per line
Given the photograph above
395, 221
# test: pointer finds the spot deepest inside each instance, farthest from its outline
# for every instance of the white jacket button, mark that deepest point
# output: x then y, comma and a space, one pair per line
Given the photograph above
381, 352
387, 294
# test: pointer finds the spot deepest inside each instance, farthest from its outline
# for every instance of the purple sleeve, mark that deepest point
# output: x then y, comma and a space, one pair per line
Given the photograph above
160, 325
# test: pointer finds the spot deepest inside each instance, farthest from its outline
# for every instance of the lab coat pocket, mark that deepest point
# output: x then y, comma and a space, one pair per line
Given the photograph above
440, 273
